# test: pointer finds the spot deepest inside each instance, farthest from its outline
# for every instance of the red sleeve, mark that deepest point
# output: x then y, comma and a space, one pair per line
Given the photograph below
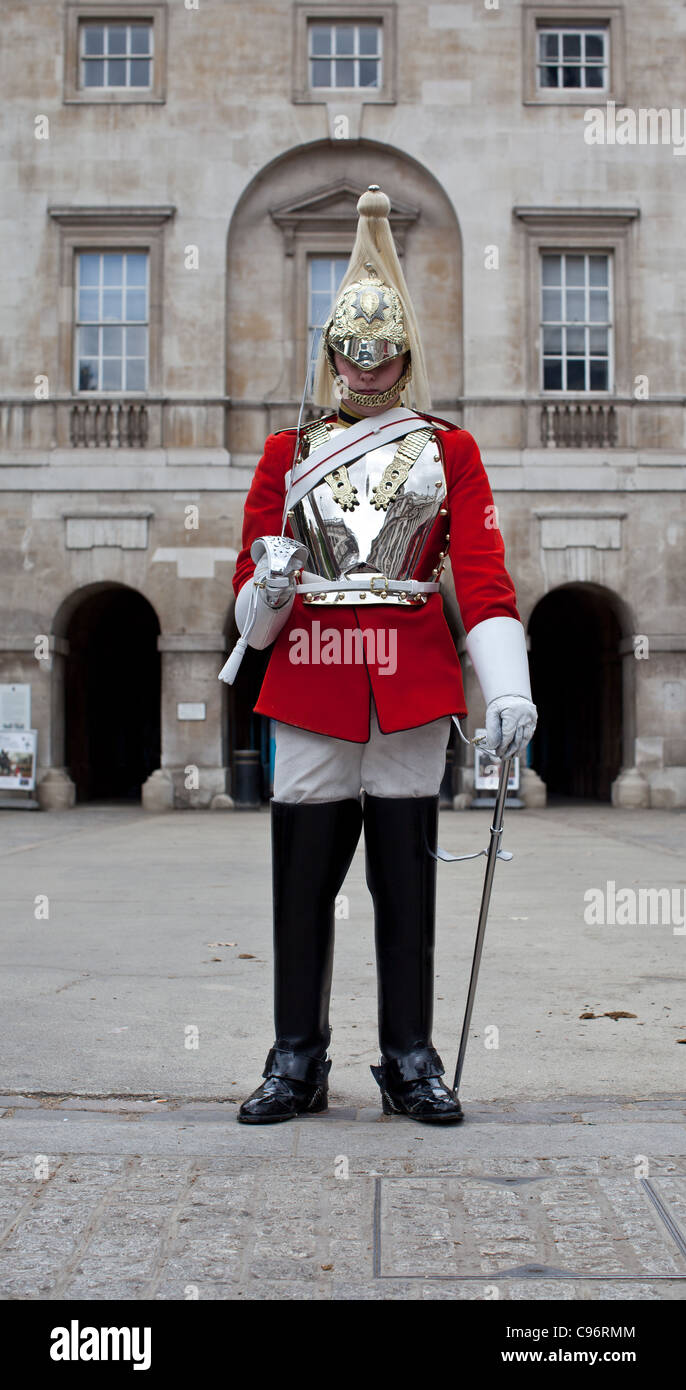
264, 503
483, 586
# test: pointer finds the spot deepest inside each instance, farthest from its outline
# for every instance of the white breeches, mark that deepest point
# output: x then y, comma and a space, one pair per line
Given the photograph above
314, 767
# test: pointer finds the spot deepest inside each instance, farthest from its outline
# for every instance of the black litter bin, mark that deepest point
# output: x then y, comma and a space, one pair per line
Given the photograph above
247, 779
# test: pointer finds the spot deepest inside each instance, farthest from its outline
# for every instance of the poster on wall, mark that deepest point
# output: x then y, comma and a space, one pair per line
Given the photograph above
487, 770
18, 759
15, 706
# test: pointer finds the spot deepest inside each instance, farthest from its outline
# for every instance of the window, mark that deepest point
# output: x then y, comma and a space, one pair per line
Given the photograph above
115, 55
111, 321
324, 277
576, 321
572, 55
572, 58
345, 55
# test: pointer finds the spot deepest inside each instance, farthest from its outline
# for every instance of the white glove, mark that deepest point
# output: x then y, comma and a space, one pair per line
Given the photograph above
510, 724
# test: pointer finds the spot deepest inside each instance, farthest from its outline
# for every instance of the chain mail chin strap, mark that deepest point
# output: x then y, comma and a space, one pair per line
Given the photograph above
380, 397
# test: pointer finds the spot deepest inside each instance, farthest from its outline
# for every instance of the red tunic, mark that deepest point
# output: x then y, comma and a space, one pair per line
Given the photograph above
427, 682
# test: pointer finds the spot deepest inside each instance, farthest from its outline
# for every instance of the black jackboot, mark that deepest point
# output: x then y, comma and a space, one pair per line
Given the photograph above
312, 847
401, 875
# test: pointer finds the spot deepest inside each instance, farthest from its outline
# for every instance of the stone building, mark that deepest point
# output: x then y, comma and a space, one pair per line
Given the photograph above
179, 188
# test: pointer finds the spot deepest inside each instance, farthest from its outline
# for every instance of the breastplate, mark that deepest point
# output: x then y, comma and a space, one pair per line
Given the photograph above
375, 517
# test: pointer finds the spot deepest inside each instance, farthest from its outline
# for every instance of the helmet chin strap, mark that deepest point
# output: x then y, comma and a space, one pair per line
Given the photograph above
380, 397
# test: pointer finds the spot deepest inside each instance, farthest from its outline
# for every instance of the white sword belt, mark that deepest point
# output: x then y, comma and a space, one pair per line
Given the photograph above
372, 588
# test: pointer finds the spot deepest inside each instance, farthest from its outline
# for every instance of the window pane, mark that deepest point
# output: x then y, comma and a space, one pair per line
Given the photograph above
88, 304
135, 304
594, 46
594, 77
552, 376
111, 374
574, 270
320, 39
112, 342
116, 39
135, 267
89, 268
345, 39
319, 273
345, 73
552, 340
599, 376
575, 306
135, 374
571, 45
369, 38
140, 72
321, 73
319, 306
88, 342
112, 269
140, 38
548, 77
552, 270
93, 39
116, 72
598, 306
571, 77
369, 69
597, 270
136, 341
598, 340
93, 73
575, 340
552, 305
111, 304
547, 45
576, 375
88, 375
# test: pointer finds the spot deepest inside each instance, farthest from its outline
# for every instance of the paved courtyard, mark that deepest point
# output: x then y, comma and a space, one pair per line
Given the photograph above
136, 1005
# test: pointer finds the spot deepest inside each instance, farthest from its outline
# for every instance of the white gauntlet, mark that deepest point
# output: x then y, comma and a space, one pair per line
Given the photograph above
273, 599
497, 648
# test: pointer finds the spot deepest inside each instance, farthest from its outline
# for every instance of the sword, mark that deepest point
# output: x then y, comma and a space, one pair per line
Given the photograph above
493, 853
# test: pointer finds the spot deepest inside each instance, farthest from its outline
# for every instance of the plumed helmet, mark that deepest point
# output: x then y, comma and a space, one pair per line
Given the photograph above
372, 320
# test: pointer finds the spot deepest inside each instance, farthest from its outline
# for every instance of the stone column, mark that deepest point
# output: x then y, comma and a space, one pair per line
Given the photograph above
193, 763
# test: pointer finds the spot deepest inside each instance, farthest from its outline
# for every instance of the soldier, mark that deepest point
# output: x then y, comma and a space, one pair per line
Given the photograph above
363, 678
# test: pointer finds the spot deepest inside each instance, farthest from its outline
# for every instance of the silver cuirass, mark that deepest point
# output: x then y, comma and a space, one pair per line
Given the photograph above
374, 519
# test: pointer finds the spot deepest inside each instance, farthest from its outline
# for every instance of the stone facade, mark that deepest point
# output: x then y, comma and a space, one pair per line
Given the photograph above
230, 173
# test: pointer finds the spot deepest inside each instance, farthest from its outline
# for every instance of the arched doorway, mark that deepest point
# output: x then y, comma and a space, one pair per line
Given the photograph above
111, 692
576, 679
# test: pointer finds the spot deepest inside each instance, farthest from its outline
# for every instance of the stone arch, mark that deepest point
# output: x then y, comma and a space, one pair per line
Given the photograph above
107, 690
582, 676
304, 202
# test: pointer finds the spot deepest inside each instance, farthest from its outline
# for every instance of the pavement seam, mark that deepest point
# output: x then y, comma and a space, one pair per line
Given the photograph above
168, 1238
68, 1269
30, 1203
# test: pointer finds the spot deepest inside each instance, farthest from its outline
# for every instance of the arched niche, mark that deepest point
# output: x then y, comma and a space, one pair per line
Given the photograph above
301, 204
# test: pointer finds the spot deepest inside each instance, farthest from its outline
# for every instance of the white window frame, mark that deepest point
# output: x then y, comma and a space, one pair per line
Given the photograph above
355, 57
582, 31
80, 12
101, 323
305, 15
127, 57
594, 15
312, 327
563, 391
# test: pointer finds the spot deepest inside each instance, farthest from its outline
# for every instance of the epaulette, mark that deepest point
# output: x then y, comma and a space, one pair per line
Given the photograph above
312, 428
437, 420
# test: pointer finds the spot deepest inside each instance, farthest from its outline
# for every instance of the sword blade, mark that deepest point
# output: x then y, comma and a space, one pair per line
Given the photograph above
491, 859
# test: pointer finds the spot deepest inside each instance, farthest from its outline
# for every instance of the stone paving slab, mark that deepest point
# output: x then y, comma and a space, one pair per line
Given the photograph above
189, 1205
